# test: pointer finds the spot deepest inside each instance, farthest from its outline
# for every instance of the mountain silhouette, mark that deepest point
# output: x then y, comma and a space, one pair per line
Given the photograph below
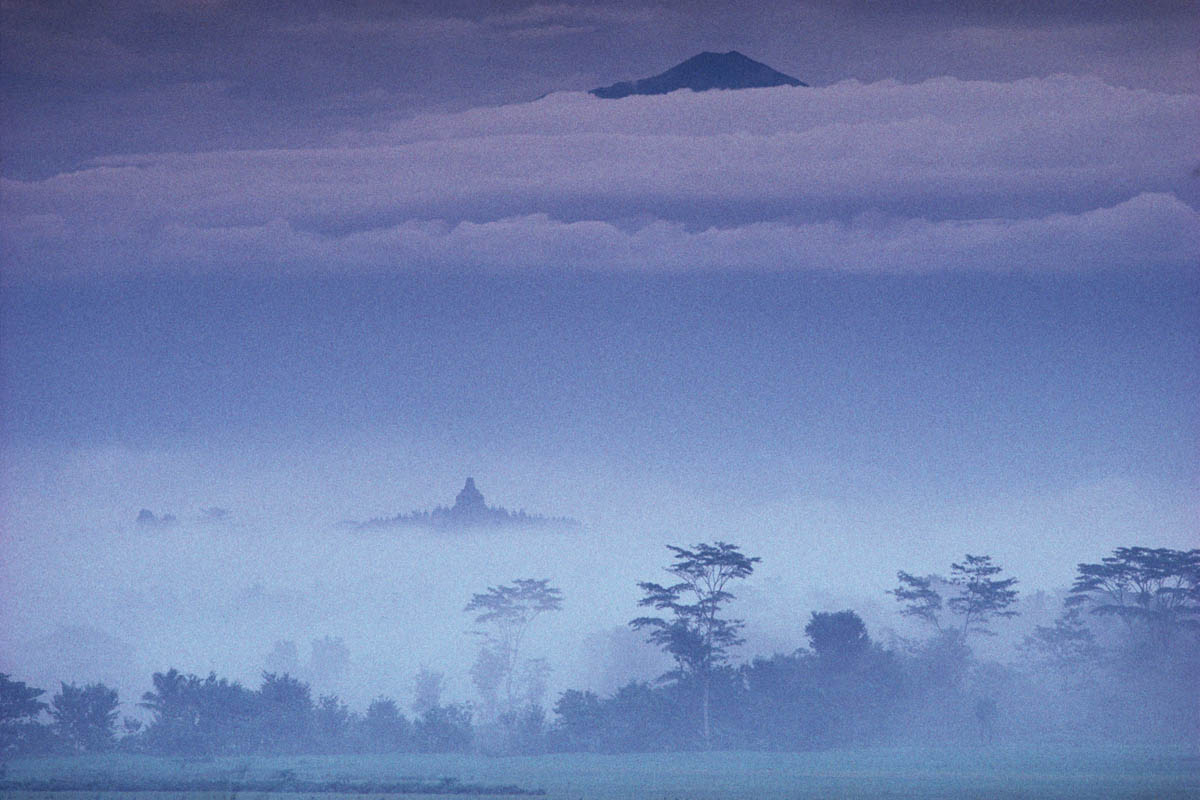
702, 72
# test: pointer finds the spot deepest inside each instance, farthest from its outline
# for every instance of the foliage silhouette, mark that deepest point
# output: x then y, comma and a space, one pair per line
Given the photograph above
979, 597
505, 614
1158, 589
85, 718
694, 634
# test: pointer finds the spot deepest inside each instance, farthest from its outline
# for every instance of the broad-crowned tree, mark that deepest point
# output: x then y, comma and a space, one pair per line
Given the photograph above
1068, 647
838, 638
1157, 590
694, 633
19, 709
979, 597
504, 614
85, 718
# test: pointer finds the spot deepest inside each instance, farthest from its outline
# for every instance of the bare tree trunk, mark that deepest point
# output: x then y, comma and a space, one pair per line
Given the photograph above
707, 730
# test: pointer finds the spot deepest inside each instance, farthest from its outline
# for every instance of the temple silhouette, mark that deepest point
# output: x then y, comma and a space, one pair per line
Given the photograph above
470, 510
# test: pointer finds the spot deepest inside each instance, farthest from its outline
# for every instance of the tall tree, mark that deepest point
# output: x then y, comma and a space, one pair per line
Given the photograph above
386, 729
695, 634
329, 661
1068, 648
427, 690
838, 638
286, 713
505, 614
174, 702
331, 721
19, 708
979, 597
85, 718
196, 716
444, 729
19, 702
1157, 589
580, 719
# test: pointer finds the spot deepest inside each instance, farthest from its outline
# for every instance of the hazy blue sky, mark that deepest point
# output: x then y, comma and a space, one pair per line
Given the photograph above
323, 261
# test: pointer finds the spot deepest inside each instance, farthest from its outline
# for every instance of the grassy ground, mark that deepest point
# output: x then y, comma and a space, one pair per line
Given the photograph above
1000, 773
98, 795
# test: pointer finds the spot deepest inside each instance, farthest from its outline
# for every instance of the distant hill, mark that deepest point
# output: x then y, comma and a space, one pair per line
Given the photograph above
700, 73
469, 511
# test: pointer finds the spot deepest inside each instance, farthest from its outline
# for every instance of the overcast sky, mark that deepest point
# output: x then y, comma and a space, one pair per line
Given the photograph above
323, 261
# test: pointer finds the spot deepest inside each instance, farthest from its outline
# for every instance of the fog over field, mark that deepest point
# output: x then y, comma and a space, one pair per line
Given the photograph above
834, 500
269, 275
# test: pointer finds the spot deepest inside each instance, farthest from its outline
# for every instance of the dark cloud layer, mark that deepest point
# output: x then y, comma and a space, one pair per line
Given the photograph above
88, 79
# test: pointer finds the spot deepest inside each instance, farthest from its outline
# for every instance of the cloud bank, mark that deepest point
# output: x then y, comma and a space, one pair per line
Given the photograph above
1038, 174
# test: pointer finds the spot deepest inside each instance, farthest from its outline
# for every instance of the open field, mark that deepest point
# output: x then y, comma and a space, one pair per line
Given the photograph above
861, 773
227, 795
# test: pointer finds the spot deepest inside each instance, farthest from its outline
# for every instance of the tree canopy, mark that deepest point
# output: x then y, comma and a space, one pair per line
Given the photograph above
979, 596
85, 718
1157, 588
838, 637
695, 635
18, 701
505, 614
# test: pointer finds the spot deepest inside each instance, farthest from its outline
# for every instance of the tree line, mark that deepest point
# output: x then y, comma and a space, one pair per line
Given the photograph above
213, 716
1120, 662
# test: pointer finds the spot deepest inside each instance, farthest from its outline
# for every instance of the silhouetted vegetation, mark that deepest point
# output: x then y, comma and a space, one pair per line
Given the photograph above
286, 781
1119, 664
510, 688
19, 710
85, 718
978, 597
694, 635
